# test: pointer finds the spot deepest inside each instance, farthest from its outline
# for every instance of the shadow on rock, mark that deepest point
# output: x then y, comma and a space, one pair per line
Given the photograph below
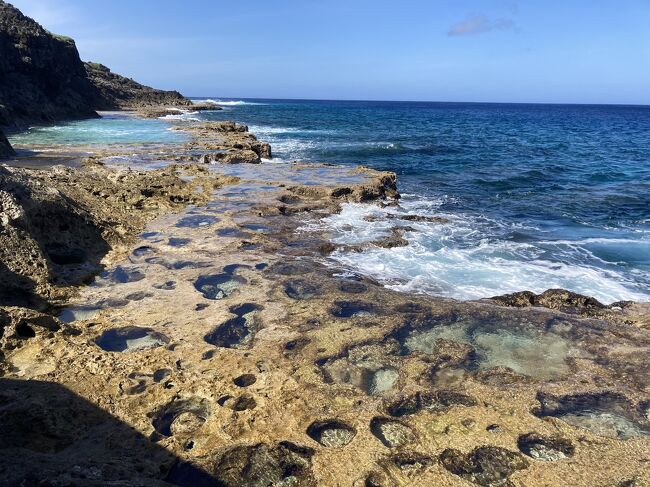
52, 436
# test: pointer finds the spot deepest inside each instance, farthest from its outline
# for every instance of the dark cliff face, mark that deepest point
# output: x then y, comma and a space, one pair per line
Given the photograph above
5, 147
42, 78
115, 91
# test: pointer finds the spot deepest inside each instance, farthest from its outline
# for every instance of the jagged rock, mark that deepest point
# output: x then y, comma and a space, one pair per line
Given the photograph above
57, 225
42, 78
5, 147
115, 91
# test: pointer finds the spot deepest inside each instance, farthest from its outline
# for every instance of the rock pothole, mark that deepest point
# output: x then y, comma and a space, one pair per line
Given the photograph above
283, 464
218, 286
441, 400
331, 433
489, 466
196, 221
354, 309
245, 380
237, 332
391, 433
130, 339
301, 289
606, 413
181, 416
545, 448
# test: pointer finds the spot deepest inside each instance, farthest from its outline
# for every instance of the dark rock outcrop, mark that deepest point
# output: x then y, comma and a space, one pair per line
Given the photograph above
42, 78
118, 92
5, 147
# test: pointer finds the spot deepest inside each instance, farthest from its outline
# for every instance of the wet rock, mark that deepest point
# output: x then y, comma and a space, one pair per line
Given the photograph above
161, 374
353, 287
290, 268
516, 343
367, 367
440, 400
607, 413
246, 156
394, 239
122, 275
181, 416
331, 433
243, 403
218, 286
391, 433
559, 299
130, 339
178, 242
283, 464
166, 286
301, 289
196, 221
354, 309
418, 218
547, 449
232, 232
237, 332
486, 465
411, 463
245, 380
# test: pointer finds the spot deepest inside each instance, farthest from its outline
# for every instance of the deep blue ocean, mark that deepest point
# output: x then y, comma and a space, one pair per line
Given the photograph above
537, 196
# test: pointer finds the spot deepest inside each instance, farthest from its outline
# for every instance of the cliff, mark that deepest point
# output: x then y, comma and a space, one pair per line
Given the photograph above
5, 148
115, 91
42, 78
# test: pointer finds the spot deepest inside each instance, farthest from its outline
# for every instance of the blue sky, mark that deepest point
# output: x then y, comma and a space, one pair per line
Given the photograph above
569, 51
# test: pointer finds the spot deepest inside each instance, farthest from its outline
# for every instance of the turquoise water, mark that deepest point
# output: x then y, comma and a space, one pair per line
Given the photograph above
110, 129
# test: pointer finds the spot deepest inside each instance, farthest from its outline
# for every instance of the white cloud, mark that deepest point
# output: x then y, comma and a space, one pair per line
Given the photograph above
478, 24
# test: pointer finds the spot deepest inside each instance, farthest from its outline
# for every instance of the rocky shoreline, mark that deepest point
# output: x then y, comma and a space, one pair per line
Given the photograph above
169, 316
219, 346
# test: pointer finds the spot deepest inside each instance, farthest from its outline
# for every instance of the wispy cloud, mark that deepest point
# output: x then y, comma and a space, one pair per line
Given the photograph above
478, 24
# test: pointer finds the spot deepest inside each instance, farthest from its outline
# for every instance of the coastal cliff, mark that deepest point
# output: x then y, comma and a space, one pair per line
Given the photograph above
118, 92
43, 79
5, 147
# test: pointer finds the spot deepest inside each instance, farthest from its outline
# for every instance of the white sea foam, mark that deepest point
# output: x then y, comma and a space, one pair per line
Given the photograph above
227, 103
186, 116
460, 259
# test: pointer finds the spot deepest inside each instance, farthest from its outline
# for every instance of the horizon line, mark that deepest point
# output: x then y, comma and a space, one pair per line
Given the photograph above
236, 98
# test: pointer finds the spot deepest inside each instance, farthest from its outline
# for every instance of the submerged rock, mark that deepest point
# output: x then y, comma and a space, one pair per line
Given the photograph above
237, 332
603, 413
547, 449
283, 464
130, 339
332, 433
486, 465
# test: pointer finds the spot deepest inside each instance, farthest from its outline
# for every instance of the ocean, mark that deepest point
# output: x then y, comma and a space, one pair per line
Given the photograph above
535, 196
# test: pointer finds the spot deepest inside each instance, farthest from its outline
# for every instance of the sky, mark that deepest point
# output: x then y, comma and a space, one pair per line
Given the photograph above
540, 51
